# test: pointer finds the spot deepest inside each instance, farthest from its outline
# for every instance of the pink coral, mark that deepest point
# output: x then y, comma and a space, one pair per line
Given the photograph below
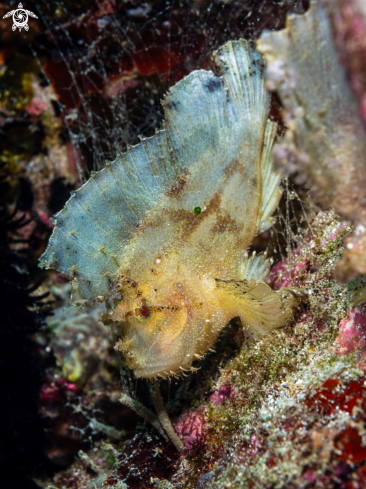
283, 273
352, 332
191, 424
43, 217
225, 391
254, 444
54, 388
334, 235
310, 476
289, 271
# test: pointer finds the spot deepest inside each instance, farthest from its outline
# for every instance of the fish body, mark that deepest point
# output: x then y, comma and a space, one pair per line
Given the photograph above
161, 234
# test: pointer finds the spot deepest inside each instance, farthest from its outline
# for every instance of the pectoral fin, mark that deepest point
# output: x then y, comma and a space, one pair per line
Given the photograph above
260, 308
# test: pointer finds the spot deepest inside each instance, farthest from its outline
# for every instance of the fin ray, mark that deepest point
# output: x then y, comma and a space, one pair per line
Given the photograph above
254, 267
208, 118
260, 308
271, 192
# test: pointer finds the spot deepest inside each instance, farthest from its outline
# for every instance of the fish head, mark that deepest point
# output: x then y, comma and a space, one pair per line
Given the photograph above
164, 324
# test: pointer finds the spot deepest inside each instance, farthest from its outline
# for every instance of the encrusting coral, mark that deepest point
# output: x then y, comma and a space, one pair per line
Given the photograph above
160, 236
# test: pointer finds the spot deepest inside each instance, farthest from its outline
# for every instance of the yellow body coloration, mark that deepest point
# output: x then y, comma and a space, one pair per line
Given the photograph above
169, 323
161, 234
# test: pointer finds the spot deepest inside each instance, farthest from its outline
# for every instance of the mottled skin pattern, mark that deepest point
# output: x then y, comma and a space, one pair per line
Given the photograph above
174, 318
168, 224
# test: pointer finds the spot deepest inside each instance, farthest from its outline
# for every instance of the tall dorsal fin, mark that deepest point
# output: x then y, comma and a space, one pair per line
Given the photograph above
208, 118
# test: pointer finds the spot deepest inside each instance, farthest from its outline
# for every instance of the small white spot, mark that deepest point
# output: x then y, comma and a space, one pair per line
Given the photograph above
157, 261
102, 23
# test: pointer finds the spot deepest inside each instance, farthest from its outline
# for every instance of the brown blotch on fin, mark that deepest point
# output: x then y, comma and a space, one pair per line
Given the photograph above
225, 223
178, 186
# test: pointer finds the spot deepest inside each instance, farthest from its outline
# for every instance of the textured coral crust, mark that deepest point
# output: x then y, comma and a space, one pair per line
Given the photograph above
325, 131
132, 235
352, 332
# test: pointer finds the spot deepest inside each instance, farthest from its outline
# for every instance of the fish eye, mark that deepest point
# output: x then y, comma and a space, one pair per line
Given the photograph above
144, 311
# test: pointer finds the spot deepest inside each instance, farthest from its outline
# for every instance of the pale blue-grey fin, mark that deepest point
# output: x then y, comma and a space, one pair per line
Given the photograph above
207, 119
271, 191
254, 267
247, 89
214, 112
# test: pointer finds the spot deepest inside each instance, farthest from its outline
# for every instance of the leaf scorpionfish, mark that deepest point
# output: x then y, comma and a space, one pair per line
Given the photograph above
161, 234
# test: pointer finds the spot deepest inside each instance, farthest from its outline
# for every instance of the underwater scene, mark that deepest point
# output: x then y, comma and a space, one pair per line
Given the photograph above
183, 244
